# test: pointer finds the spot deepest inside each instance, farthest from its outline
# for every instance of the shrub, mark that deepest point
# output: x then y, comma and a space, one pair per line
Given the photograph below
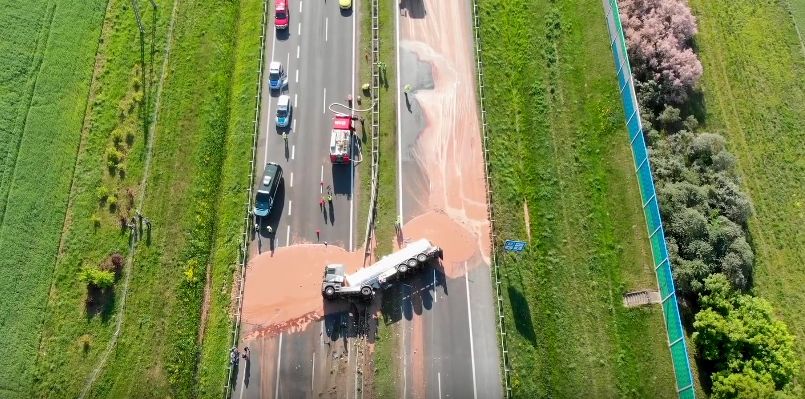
96, 277
113, 157
112, 202
103, 194
96, 220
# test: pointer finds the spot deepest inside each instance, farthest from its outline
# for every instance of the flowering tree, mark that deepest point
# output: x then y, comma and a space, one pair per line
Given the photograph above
658, 35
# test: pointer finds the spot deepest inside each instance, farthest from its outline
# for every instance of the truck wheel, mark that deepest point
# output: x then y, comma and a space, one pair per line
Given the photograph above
412, 262
422, 258
366, 291
329, 291
402, 268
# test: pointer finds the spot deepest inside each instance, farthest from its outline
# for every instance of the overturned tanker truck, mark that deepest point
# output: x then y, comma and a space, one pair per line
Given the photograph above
365, 282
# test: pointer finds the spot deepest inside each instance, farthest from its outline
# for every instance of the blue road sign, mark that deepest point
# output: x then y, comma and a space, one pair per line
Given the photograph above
514, 246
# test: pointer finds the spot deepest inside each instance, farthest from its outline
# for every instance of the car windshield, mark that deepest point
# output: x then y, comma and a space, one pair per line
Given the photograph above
262, 200
282, 112
274, 75
281, 14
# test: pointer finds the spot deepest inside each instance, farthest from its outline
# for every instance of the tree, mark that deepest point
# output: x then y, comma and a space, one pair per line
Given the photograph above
746, 384
727, 197
658, 33
738, 334
687, 226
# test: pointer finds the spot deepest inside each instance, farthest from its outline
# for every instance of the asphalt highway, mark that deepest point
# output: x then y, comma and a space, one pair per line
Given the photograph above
454, 317
317, 52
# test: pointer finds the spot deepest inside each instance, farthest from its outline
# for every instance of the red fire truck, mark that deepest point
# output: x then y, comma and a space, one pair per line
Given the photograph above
341, 139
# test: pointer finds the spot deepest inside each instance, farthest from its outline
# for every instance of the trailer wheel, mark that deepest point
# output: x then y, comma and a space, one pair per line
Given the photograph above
329, 291
366, 291
422, 258
402, 268
412, 262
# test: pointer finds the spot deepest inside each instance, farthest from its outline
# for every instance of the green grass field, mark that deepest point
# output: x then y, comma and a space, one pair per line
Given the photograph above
558, 143
755, 95
195, 198
45, 85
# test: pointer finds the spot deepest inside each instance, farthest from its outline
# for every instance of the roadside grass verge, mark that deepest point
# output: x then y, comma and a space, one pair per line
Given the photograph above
48, 81
75, 334
557, 143
158, 351
195, 199
385, 372
217, 334
755, 96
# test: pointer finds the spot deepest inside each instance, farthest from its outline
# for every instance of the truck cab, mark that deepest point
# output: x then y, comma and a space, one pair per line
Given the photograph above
334, 283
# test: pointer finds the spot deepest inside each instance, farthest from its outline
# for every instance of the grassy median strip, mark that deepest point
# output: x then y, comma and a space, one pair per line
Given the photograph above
385, 368
559, 152
755, 91
45, 80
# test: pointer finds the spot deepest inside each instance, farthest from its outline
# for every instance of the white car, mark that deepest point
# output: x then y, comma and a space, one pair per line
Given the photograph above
284, 109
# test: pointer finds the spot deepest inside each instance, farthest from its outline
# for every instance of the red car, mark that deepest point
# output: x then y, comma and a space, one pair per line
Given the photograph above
281, 14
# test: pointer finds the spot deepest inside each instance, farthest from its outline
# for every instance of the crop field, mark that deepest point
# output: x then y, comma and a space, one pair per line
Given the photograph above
195, 200
45, 81
755, 96
563, 180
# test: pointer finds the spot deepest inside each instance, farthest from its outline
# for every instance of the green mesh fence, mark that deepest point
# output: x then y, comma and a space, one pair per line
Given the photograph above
651, 210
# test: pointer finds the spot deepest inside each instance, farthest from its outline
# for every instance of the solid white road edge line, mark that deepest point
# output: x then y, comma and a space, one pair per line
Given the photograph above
399, 120
279, 357
469, 316
352, 165
268, 114
313, 374
439, 377
405, 355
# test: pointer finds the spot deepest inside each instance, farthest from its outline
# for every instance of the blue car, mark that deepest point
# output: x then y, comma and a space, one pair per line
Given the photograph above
276, 76
283, 111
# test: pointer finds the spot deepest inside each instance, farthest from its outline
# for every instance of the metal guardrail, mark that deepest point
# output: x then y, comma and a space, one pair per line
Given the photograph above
490, 215
247, 224
651, 211
375, 120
